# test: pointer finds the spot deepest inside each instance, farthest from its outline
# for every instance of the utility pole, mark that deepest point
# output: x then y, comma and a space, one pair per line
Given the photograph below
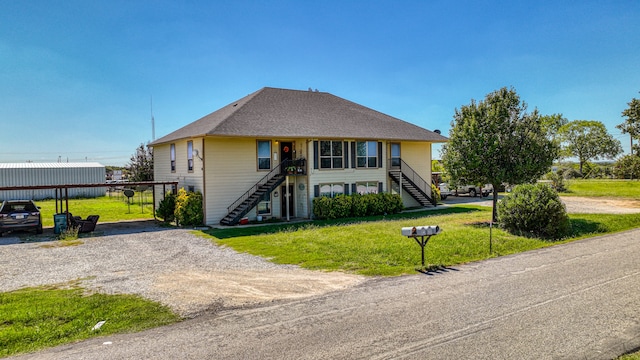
153, 122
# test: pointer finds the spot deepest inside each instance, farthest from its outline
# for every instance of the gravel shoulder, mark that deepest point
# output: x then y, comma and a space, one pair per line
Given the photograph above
188, 273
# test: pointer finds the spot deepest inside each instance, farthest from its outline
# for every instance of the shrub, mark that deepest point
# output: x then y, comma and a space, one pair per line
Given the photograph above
321, 207
70, 233
359, 205
167, 207
534, 210
393, 203
435, 192
341, 207
356, 205
557, 181
189, 208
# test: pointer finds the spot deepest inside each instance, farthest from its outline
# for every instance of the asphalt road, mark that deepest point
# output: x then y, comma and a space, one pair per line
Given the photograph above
573, 301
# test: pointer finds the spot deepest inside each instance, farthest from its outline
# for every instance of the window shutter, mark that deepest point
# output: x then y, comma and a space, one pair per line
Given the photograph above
379, 188
379, 154
316, 190
345, 147
353, 155
354, 188
346, 189
316, 155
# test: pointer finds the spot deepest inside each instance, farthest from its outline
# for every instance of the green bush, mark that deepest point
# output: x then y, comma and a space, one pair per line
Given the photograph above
359, 205
435, 192
321, 207
167, 208
341, 207
393, 203
189, 208
356, 205
557, 181
534, 210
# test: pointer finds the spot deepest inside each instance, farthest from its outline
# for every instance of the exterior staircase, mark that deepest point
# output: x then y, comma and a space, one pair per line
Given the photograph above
252, 197
412, 183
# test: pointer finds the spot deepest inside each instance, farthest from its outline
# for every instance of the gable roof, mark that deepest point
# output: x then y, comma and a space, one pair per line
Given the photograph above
282, 113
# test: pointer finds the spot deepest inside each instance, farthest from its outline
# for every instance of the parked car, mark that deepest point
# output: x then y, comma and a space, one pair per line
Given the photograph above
473, 190
444, 190
20, 215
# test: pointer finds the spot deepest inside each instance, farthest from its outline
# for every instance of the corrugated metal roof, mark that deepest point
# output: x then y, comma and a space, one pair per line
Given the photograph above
55, 165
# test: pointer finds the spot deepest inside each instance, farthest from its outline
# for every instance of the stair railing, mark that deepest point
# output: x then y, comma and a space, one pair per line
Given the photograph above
400, 165
275, 171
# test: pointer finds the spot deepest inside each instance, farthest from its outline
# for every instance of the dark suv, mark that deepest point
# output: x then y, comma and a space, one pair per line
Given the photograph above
20, 215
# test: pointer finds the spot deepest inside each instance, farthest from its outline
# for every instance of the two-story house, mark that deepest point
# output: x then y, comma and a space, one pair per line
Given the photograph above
270, 153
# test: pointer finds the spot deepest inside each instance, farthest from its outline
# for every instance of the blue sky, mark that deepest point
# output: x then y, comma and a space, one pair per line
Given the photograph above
77, 77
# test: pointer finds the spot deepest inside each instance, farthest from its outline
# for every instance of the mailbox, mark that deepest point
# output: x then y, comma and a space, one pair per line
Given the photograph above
424, 233
426, 230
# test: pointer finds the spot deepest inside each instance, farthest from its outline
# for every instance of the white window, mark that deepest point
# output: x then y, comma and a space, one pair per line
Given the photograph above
395, 154
367, 154
369, 187
331, 190
190, 155
264, 155
173, 157
331, 155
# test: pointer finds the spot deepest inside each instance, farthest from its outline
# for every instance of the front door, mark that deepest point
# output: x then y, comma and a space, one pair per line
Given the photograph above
283, 190
286, 151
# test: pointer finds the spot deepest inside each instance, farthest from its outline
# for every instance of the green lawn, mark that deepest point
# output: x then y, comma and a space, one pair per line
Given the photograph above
375, 247
110, 208
35, 318
629, 189
634, 356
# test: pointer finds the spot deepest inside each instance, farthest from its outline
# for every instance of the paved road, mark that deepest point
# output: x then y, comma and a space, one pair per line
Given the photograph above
573, 301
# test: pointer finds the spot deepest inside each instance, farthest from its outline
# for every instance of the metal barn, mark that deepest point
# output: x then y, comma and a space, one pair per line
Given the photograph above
37, 174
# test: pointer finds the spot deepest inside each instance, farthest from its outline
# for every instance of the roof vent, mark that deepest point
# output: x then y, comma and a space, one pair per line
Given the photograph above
437, 131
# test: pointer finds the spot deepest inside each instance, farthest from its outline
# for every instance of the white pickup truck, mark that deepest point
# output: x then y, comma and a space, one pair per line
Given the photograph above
474, 190
471, 190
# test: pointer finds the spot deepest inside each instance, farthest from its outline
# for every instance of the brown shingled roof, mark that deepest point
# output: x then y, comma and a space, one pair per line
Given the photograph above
271, 112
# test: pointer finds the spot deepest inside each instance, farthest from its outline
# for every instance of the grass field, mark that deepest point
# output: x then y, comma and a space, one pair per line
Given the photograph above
110, 208
629, 189
374, 246
32, 319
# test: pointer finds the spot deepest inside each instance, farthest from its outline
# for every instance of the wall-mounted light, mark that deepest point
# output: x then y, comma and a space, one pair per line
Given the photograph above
197, 154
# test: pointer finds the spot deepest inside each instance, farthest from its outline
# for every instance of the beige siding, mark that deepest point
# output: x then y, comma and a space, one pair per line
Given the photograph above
418, 156
185, 178
231, 170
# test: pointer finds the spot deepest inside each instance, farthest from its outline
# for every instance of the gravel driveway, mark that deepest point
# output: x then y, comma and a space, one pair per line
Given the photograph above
173, 266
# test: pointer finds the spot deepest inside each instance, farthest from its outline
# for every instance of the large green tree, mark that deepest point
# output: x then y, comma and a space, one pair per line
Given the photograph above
141, 164
588, 140
631, 124
497, 141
